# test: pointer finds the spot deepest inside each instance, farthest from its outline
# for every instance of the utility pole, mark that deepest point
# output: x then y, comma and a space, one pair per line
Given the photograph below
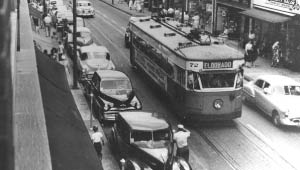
182, 11
75, 64
214, 17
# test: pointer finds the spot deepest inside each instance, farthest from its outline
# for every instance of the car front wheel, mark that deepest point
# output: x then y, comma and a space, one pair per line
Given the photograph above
276, 118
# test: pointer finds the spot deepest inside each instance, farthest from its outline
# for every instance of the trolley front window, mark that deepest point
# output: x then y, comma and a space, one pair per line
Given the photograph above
217, 80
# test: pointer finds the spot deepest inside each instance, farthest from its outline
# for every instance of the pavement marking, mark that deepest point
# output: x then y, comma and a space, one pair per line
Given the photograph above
123, 28
111, 23
260, 135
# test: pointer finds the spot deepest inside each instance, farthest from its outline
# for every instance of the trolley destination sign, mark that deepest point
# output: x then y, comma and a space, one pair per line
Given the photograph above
217, 64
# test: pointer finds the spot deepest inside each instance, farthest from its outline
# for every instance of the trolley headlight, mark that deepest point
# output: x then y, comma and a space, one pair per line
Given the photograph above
218, 104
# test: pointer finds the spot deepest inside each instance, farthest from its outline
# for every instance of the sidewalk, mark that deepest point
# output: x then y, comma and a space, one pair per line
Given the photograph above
262, 65
108, 160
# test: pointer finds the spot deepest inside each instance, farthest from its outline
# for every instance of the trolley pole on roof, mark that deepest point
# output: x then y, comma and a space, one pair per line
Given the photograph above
75, 64
182, 11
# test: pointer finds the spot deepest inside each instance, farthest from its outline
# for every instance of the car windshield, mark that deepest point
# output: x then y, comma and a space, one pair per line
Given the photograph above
85, 34
96, 55
116, 86
288, 90
151, 139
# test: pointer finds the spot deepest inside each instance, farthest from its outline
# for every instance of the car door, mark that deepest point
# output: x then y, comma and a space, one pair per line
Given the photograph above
266, 98
259, 93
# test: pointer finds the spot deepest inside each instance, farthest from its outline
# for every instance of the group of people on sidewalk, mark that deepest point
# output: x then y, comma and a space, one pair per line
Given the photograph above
137, 5
252, 51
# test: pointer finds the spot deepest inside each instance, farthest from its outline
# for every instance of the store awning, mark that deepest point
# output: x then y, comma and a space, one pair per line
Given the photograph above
233, 4
266, 16
69, 140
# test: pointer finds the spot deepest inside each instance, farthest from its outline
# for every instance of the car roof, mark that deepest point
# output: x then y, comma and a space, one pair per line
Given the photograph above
278, 80
94, 48
147, 121
107, 74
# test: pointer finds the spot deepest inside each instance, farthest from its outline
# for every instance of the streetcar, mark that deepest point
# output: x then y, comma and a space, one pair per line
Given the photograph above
202, 77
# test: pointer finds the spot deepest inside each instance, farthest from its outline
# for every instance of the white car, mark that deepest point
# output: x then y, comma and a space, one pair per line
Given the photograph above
93, 58
85, 8
277, 96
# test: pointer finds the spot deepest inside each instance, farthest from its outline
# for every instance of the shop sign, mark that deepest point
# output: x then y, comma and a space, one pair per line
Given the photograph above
217, 64
290, 6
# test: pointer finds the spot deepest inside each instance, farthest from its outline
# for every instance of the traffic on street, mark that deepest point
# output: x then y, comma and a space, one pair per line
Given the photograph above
134, 71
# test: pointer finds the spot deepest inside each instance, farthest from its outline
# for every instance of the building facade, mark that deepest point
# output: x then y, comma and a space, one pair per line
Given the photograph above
276, 20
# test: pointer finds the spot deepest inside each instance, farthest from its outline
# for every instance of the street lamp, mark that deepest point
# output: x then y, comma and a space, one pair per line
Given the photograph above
91, 116
75, 67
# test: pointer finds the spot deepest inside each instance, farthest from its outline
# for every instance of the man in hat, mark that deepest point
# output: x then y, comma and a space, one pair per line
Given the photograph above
97, 139
180, 138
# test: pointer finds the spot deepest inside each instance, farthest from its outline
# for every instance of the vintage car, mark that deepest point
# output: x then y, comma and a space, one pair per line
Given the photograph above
145, 141
277, 96
83, 37
62, 15
92, 58
84, 8
112, 92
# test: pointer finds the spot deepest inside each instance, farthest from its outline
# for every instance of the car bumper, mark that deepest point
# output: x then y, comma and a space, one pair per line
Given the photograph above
290, 122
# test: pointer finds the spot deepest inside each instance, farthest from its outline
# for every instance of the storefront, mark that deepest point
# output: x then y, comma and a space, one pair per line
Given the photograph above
228, 17
276, 20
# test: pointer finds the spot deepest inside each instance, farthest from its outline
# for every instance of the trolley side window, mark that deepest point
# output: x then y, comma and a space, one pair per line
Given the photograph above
180, 76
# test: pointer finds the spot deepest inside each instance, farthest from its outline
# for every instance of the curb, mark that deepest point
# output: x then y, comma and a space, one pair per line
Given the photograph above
124, 11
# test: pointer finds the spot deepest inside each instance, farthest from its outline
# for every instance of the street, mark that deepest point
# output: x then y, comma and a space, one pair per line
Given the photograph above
251, 142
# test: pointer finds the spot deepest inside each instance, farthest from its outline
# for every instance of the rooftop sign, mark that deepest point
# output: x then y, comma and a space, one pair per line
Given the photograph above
283, 6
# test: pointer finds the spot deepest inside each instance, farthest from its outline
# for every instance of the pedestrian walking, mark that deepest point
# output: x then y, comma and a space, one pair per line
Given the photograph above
61, 51
142, 2
180, 137
47, 21
248, 53
276, 54
130, 4
54, 54
97, 139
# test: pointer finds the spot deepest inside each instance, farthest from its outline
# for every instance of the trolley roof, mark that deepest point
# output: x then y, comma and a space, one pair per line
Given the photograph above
192, 52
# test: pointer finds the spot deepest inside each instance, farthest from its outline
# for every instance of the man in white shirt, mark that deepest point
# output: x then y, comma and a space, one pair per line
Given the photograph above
180, 138
97, 139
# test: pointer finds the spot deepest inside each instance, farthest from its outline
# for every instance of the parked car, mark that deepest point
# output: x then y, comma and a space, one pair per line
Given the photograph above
112, 92
277, 96
85, 8
79, 22
83, 37
145, 141
59, 17
92, 58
